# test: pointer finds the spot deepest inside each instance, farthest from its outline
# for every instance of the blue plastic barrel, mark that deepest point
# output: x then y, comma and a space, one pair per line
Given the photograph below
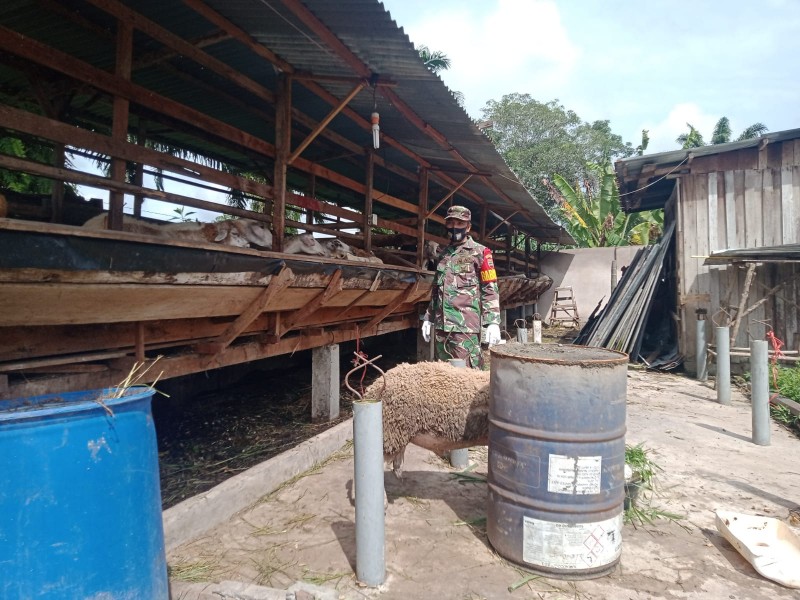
557, 458
80, 500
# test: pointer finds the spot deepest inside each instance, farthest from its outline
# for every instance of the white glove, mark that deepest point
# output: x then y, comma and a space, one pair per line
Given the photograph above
492, 334
426, 331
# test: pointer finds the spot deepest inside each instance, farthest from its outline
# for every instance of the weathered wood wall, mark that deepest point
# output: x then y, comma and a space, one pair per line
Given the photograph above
741, 199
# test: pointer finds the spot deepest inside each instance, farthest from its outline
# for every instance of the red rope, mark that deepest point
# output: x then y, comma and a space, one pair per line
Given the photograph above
777, 344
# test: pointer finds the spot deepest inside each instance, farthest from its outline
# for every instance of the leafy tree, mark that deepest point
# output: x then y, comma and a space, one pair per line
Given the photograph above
17, 181
540, 140
722, 134
593, 214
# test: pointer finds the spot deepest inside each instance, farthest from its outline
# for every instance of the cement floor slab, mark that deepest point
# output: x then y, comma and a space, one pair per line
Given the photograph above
436, 545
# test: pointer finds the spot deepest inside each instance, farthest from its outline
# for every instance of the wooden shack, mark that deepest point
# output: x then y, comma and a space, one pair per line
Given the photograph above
312, 116
736, 207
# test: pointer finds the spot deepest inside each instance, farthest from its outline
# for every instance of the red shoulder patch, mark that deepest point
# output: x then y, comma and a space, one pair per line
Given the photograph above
488, 272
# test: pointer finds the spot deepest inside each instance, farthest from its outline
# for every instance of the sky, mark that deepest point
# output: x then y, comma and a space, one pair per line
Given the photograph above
650, 64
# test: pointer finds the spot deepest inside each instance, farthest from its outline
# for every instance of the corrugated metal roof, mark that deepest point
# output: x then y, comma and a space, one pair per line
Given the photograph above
646, 193
783, 253
376, 47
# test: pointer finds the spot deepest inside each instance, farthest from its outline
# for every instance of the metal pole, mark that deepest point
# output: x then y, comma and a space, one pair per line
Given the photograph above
759, 391
537, 329
459, 459
522, 332
723, 365
701, 347
368, 481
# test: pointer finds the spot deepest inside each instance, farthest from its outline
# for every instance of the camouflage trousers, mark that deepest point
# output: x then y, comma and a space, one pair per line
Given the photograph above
453, 344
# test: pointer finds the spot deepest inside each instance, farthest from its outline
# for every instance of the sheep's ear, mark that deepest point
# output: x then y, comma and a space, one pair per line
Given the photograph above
221, 234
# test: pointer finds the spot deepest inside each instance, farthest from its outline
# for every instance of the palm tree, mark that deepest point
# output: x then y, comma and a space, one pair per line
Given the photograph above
435, 60
721, 134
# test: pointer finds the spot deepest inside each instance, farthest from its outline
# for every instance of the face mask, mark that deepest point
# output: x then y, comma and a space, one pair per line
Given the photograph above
457, 234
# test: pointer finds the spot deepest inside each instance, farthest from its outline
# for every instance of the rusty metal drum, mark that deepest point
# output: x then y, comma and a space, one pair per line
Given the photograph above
557, 458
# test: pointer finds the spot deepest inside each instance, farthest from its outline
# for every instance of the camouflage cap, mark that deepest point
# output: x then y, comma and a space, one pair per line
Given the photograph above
462, 213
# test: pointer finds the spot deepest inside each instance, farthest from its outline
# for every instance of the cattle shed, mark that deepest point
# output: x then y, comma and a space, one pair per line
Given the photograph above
736, 209
315, 116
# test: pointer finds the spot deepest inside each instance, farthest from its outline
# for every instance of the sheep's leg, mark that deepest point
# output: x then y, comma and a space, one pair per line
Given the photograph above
442, 446
397, 462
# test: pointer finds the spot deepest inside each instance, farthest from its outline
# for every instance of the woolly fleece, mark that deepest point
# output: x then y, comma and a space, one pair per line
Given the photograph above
432, 398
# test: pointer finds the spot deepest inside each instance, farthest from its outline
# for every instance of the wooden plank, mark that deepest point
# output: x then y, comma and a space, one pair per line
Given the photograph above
119, 119
321, 299
738, 192
258, 306
754, 228
787, 153
187, 364
713, 216
771, 210
722, 234
392, 306
69, 304
730, 210
789, 210
690, 234
703, 226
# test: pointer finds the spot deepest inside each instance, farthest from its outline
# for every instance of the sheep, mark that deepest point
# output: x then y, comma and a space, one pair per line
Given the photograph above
336, 248
433, 405
305, 243
430, 253
239, 233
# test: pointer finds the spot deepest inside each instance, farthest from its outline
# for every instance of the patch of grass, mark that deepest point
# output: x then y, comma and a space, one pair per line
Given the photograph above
323, 578
639, 509
193, 572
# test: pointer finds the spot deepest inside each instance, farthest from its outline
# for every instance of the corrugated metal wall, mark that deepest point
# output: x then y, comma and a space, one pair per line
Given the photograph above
742, 199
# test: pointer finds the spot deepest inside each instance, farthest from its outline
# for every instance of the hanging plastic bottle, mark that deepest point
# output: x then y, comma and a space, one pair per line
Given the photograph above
376, 130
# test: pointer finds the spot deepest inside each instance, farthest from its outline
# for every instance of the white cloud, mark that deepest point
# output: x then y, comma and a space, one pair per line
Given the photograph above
663, 133
517, 46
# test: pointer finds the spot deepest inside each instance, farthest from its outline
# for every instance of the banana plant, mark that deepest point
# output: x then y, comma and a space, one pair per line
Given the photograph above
594, 216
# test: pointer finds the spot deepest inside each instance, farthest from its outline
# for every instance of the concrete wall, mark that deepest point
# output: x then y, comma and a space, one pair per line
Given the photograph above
588, 271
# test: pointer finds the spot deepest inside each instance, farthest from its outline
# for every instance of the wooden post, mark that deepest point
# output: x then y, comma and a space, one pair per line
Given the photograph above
484, 214
283, 139
509, 246
370, 182
422, 212
527, 256
312, 192
141, 140
119, 128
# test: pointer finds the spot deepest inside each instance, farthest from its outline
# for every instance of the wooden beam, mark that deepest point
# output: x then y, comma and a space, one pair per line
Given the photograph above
277, 284
423, 209
296, 318
283, 140
449, 195
139, 341
25, 122
390, 308
324, 123
370, 182
119, 127
748, 280
184, 48
506, 221
28, 166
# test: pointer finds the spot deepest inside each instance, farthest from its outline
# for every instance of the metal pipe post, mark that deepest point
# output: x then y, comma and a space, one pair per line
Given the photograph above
522, 331
701, 348
459, 459
759, 391
723, 365
368, 481
537, 329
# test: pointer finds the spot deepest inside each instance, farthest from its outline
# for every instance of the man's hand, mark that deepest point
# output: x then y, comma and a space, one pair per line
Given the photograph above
492, 334
426, 331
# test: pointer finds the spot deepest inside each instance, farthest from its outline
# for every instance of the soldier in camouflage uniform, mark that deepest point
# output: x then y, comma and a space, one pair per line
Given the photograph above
465, 296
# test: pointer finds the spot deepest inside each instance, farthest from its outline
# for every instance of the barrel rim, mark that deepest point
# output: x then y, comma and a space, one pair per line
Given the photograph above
70, 403
620, 358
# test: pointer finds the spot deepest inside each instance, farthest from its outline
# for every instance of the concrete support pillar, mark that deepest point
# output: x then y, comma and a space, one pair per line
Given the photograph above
325, 383
722, 338
459, 459
759, 391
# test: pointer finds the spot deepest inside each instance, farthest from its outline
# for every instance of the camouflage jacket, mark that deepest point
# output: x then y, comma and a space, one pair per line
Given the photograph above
464, 296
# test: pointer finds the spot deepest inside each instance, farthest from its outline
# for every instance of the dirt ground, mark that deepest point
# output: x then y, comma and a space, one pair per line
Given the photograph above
436, 545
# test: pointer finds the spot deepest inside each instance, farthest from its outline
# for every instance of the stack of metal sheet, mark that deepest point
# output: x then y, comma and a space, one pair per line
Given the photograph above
620, 325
